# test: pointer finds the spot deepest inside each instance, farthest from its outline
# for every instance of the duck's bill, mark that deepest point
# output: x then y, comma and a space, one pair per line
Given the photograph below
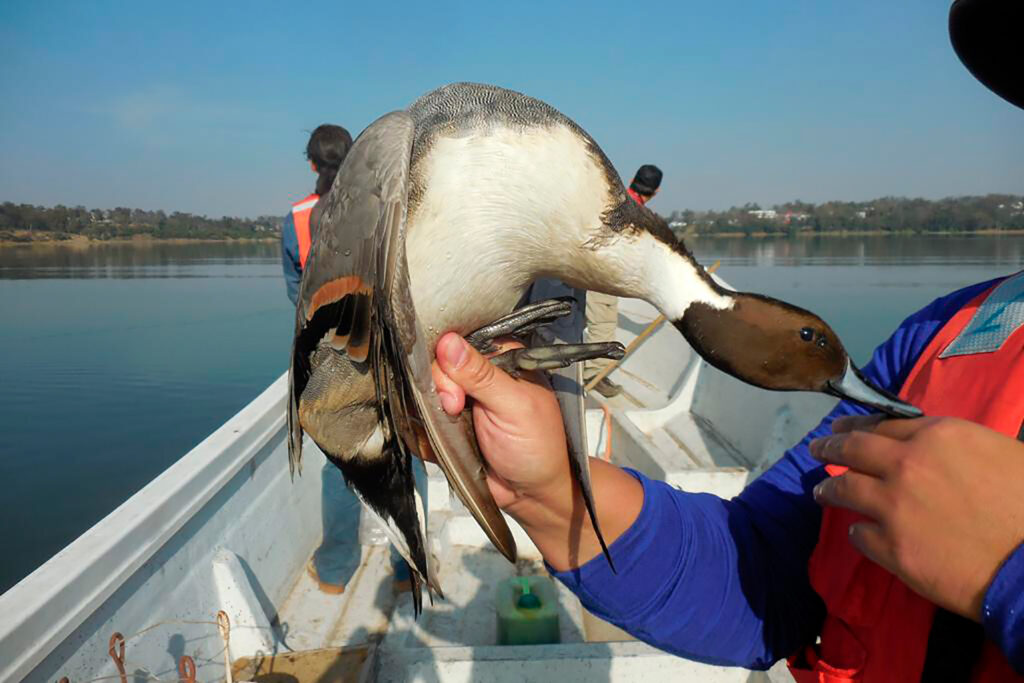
854, 386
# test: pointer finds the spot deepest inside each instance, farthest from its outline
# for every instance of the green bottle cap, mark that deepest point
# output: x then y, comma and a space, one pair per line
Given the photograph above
527, 600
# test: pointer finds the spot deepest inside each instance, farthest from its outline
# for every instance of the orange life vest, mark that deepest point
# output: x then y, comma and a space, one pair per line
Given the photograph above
300, 214
876, 628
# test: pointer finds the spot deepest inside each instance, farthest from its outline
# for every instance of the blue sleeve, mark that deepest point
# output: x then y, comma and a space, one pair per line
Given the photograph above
725, 581
1002, 613
290, 258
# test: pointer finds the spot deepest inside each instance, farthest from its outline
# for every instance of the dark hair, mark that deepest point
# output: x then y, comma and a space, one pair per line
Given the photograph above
327, 148
647, 180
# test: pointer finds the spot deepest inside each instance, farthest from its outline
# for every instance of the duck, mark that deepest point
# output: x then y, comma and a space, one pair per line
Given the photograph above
440, 218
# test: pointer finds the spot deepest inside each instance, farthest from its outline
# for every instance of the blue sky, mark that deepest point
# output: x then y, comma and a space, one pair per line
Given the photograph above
206, 107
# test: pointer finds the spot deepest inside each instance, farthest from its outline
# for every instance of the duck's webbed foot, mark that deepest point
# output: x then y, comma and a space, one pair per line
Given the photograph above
520, 322
525, 320
556, 356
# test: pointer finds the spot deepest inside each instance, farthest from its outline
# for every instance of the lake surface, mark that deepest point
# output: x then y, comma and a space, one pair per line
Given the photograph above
115, 360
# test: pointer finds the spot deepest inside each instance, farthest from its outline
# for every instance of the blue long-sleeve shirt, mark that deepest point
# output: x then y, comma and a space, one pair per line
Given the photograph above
726, 581
290, 258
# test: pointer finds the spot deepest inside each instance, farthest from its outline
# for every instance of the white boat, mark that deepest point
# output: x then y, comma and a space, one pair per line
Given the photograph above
226, 529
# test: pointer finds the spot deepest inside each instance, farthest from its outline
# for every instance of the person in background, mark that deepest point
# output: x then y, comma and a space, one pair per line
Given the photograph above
603, 309
325, 151
331, 563
873, 550
645, 183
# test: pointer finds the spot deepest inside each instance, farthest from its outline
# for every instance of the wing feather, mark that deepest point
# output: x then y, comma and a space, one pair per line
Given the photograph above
356, 288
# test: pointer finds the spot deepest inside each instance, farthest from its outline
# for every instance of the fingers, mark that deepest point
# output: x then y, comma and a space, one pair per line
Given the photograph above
475, 374
850, 423
880, 424
854, 491
865, 452
452, 396
904, 429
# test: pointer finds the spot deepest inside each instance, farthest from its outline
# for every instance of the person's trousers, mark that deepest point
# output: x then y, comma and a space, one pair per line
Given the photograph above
602, 321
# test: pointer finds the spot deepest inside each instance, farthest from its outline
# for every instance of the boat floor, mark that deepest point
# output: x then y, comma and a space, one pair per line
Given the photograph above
331, 665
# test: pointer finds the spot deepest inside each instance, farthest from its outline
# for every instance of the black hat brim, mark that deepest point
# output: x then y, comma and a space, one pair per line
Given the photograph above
988, 36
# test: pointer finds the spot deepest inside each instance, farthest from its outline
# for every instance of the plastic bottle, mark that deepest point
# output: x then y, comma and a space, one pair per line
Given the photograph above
527, 611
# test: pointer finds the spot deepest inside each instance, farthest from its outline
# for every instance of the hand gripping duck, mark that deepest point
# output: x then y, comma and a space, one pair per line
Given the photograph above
439, 219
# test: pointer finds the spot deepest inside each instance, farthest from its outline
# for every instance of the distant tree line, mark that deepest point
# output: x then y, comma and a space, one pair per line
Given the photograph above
25, 222
889, 214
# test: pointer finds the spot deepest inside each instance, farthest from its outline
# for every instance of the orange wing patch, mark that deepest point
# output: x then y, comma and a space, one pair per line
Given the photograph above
335, 290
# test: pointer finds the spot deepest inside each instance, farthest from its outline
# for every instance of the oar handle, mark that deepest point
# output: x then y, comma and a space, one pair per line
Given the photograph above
648, 331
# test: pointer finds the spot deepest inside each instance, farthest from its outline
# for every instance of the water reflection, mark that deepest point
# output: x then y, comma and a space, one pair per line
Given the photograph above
989, 250
137, 260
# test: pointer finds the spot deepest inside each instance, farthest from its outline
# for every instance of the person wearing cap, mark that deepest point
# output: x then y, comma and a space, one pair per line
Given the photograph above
645, 183
873, 550
603, 309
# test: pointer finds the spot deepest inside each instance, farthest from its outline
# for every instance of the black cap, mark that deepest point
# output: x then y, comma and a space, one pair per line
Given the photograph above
986, 35
647, 180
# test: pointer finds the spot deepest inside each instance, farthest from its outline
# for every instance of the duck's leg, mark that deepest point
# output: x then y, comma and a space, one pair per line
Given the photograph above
555, 356
520, 322
527, 319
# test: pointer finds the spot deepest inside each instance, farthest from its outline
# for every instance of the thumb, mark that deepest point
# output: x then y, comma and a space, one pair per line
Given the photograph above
475, 374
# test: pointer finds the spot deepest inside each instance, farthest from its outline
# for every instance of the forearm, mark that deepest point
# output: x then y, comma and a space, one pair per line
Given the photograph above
558, 523
696, 576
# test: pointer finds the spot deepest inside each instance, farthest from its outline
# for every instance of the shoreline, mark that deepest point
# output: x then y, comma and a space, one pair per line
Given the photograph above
83, 241
852, 233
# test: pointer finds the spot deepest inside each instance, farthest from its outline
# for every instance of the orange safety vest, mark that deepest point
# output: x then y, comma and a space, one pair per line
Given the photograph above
300, 214
877, 629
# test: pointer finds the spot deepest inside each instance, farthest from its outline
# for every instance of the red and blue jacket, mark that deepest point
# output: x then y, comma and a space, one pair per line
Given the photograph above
295, 244
727, 581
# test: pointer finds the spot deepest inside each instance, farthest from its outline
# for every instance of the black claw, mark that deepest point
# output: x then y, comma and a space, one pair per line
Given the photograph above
556, 356
519, 322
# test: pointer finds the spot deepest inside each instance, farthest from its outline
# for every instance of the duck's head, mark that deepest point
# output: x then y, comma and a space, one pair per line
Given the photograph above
763, 341
778, 346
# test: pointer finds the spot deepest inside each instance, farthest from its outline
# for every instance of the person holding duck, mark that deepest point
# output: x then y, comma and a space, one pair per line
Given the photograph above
874, 550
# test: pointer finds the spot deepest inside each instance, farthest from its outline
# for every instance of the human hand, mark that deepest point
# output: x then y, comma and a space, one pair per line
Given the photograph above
518, 424
521, 435
946, 498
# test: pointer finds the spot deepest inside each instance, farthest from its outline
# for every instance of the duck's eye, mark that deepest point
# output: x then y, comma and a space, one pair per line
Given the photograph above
822, 342
807, 334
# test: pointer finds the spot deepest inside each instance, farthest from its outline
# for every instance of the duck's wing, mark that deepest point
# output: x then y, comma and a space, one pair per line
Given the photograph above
356, 288
340, 302
339, 281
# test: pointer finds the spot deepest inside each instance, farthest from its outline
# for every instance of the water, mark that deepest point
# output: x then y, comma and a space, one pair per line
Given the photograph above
117, 359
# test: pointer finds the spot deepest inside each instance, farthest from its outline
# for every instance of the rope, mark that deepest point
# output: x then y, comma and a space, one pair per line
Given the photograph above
224, 626
607, 455
186, 672
187, 669
116, 652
